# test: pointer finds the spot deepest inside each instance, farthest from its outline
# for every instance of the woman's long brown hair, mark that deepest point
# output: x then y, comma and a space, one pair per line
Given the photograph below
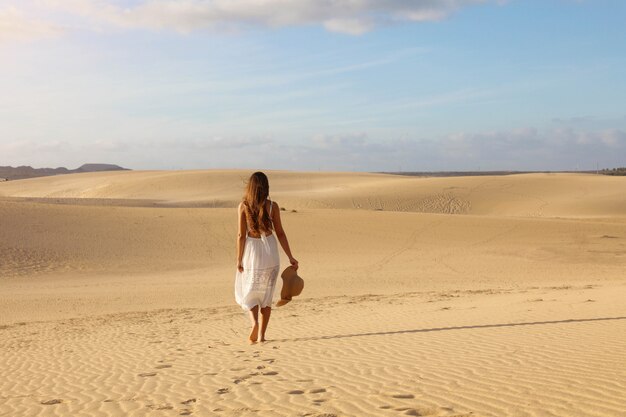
257, 215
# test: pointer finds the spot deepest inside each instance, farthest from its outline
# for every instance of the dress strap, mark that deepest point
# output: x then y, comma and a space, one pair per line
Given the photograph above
268, 199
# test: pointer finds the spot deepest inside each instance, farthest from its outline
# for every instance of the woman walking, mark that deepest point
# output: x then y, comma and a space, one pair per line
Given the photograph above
257, 253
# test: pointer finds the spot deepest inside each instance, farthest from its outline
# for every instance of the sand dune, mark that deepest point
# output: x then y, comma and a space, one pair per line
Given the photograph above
155, 256
481, 296
548, 195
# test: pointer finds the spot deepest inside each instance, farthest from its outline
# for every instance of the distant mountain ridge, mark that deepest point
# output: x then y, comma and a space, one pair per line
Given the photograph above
17, 173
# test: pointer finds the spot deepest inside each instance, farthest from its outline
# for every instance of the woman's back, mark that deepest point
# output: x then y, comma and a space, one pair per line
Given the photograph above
268, 206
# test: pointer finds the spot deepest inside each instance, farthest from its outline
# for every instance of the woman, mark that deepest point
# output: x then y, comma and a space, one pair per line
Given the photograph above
257, 253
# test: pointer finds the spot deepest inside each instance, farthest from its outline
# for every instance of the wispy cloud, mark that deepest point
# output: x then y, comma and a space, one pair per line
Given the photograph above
215, 143
352, 17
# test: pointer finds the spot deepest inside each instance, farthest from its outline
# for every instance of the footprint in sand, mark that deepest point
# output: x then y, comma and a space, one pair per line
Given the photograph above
403, 396
160, 407
420, 412
162, 366
296, 392
223, 390
317, 390
237, 380
189, 401
185, 412
51, 402
269, 373
147, 374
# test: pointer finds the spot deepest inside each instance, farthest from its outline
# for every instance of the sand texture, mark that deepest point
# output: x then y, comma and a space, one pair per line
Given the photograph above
464, 296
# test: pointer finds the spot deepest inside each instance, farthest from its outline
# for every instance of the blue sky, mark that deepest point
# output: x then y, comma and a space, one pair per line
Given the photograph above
314, 84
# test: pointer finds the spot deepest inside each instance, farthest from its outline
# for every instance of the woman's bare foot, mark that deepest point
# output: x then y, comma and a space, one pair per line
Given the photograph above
254, 320
254, 334
265, 319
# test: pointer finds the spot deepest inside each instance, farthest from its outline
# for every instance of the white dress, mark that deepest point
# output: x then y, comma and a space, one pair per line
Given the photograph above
255, 285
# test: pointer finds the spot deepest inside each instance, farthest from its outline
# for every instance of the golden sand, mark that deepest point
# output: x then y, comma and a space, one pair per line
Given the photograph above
481, 296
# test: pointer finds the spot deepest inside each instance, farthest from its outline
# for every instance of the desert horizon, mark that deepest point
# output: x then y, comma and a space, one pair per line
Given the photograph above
455, 296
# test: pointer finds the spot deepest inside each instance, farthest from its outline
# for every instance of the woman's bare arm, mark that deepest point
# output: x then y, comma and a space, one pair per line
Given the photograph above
241, 236
280, 234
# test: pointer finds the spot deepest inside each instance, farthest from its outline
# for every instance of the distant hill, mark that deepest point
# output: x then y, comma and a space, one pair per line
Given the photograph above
99, 167
615, 171
455, 173
17, 173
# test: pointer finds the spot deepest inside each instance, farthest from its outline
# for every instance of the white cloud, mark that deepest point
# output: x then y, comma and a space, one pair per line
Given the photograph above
349, 26
346, 16
15, 24
613, 138
516, 149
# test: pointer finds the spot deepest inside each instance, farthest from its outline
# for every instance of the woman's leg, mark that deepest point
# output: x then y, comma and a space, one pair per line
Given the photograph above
265, 319
254, 318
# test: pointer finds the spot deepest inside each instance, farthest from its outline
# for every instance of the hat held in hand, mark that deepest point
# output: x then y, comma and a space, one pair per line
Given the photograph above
292, 285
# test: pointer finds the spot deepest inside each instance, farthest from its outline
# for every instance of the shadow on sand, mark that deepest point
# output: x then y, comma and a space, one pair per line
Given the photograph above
441, 329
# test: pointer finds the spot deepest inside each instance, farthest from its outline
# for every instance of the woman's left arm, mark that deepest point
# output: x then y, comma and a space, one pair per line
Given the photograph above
281, 235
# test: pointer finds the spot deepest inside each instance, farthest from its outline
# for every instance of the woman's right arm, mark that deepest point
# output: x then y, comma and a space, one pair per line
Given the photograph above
241, 237
281, 235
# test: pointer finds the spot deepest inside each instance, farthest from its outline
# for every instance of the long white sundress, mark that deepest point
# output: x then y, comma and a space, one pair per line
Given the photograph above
255, 285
